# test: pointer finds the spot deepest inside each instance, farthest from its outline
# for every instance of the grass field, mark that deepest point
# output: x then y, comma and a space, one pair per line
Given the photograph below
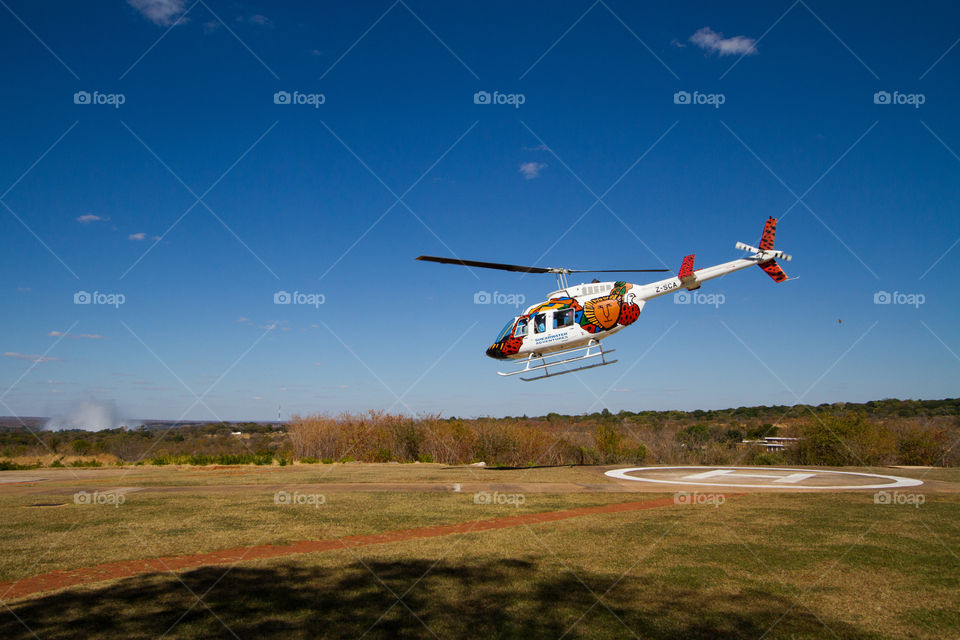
772, 565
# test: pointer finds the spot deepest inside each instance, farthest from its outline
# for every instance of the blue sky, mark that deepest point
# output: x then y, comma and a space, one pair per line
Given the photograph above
199, 197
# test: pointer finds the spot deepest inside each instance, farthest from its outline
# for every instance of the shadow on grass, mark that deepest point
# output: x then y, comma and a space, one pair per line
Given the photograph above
511, 598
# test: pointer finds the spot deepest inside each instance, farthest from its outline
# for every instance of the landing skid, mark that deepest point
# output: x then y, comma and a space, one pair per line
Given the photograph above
536, 362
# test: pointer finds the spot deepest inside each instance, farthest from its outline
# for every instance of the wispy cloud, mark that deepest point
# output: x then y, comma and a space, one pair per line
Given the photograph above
161, 12
261, 20
531, 170
28, 356
87, 218
89, 336
713, 42
137, 236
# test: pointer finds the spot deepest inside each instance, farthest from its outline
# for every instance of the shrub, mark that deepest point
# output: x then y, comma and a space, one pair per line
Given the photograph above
86, 463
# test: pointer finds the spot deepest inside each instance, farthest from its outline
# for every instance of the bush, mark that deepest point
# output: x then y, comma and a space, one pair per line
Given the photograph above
923, 448
10, 465
845, 440
771, 458
86, 463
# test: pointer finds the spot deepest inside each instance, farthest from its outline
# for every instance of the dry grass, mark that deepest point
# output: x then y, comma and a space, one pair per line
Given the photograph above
796, 565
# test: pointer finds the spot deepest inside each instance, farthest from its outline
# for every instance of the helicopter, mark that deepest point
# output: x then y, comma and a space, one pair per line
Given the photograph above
569, 326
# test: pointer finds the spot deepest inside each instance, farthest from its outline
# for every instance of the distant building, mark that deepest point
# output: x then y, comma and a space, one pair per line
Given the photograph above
771, 443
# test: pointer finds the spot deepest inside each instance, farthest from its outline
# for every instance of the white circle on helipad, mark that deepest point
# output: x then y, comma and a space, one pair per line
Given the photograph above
770, 478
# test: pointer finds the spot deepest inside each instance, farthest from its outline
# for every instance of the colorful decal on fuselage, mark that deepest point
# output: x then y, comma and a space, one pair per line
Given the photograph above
594, 316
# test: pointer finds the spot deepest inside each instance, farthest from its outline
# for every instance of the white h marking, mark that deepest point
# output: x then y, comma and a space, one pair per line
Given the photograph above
730, 473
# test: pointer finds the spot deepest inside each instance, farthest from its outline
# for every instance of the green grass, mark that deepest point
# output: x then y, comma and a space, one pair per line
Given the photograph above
785, 565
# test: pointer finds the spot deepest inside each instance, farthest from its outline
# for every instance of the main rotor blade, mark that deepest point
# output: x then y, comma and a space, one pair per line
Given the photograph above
485, 265
523, 269
615, 270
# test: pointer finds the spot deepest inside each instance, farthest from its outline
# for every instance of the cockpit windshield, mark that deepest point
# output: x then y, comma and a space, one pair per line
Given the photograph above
506, 331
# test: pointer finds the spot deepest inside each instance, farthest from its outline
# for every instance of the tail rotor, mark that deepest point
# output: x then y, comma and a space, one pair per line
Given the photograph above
766, 255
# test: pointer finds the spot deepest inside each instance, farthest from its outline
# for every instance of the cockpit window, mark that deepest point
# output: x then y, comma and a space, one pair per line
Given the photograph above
521, 329
506, 331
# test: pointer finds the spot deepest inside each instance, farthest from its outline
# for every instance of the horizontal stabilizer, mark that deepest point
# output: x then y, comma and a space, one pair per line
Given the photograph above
773, 270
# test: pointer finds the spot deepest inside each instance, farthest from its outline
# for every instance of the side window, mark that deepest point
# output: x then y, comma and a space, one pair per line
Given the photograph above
521, 329
540, 322
562, 318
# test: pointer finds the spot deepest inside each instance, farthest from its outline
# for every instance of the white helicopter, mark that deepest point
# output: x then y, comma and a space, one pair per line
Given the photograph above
569, 326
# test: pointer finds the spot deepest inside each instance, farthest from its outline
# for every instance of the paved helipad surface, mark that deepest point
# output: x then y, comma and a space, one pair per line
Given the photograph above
774, 478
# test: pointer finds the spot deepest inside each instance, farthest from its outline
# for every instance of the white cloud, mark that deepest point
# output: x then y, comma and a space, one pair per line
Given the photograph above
263, 21
713, 42
137, 236
87, 218
24, 289
161, 12
90, 336
27, 356
531, 170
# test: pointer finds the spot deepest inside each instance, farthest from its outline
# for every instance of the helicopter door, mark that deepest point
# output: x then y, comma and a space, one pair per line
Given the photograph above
540, 323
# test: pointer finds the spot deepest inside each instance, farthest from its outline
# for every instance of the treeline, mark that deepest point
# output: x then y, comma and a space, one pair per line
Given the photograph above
841, 438
143, 444
873, 433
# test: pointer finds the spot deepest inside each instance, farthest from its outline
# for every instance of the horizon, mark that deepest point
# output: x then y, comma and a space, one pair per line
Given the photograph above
146, 422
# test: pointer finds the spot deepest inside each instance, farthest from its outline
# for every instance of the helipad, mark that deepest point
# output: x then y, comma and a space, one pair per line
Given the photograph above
762, 478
